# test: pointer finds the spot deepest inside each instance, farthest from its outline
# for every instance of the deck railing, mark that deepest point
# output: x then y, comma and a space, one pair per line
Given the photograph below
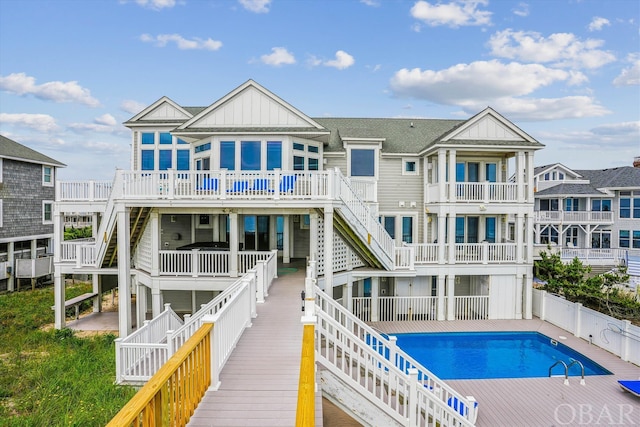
614, 256
380, 370
90, 191
171, 396
574, 216
471, 307
140, 355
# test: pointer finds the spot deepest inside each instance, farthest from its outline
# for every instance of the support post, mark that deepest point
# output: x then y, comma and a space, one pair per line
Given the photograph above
124, 273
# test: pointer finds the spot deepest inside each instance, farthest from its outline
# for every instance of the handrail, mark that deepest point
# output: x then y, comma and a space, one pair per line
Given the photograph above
566, 370
573, 362
162, 400
305, 413
397, 357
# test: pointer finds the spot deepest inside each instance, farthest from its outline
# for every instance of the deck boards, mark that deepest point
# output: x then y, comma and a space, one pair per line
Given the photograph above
542, 401
259, 383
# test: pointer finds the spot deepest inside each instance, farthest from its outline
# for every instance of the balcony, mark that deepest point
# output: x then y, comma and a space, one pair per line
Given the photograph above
573, 217
411, 255
476, 192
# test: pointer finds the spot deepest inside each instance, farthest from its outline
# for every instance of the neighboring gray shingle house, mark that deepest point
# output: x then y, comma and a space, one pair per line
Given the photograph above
27, 195
597, 209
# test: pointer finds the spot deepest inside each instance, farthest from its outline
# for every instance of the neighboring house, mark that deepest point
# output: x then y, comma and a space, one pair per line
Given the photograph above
404, 208
594, 209
27, 195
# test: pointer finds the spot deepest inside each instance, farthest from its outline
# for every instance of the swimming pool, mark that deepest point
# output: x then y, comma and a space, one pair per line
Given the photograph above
484, 355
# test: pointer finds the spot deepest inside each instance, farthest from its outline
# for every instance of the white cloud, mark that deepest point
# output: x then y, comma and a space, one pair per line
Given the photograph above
161, 40
454, 14
132, 107
559, 49
480, 84
477, 81
156, 4
522, 9
105, 123
622, 137
630, 129
39, 122
629, 76
21, 84
343, 60
257, 6
597, 23
279, 56
372, 3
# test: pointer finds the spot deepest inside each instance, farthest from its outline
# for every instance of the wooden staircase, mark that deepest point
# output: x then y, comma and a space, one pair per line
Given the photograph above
359, 246
138, 219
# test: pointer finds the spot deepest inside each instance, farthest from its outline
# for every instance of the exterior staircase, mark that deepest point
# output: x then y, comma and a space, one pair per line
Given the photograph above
138, 218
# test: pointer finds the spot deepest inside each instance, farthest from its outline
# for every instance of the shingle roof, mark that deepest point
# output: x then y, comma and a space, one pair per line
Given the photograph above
11, 149
570, 190
622, 177
399, 135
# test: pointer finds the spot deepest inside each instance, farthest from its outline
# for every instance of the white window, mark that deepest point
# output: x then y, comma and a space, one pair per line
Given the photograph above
47, 176
362, 161
410, 167
47, 212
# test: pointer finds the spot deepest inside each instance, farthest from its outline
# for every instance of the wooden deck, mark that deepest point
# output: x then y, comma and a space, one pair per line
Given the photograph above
259, 383
542, 401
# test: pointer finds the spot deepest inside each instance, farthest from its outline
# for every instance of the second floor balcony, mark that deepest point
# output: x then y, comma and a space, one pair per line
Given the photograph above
574, 217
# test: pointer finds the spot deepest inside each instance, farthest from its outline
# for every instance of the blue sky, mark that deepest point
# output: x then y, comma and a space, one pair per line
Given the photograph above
565, 71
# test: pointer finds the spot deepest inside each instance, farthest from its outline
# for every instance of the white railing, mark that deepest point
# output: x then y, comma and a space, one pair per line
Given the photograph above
139, 355
471, 307
367, 191
90, 191
405, 257
68, 248
615, 256
392, 309
619, 337
33, 268
487, 192
426, 252
198, 263
469, 253
377, 368
574, 216
143, 352
364, 223
361, 308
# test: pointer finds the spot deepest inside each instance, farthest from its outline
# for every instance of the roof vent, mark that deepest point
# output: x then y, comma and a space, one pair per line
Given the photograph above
411, 124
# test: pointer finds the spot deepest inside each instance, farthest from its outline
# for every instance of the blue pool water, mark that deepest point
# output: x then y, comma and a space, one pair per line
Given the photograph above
481, 355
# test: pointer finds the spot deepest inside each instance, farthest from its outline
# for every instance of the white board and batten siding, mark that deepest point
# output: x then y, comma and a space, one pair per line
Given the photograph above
503, 297
490, 128
251, 108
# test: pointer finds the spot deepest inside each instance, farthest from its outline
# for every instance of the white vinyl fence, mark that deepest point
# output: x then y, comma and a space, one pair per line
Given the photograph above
617, 336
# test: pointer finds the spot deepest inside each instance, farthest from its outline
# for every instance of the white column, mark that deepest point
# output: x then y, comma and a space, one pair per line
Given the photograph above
529, 177
528, 295
157, 301
347, 299
452, 176
124, 273
375, 293
313, 234
519, 301
58, 298
233, 244
529, 237
442, 223
452, 237
520, 165
141, 304
519, 237
441, 298
451, 285
12, 263
286, 248
97, 288
328, 250
34, 249
442, 175
154, 224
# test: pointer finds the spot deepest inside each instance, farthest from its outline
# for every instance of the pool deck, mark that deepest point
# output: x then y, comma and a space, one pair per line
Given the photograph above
542, 401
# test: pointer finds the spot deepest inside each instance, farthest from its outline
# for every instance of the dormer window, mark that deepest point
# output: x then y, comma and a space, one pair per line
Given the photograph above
363, 162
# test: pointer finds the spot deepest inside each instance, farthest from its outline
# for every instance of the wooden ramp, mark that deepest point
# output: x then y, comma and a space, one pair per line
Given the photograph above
259, 383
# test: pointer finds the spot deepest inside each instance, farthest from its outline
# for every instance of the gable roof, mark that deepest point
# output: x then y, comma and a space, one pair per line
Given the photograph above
11, 149
163, 111
621, 177
539, 170
566, 189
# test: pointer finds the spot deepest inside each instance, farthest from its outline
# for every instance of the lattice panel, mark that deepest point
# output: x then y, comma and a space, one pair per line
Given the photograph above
144, 251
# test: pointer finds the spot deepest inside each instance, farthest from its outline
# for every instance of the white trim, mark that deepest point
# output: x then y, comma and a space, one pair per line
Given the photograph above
416, 168
44, 203
1, 210
52, 176
1, 178
376, 159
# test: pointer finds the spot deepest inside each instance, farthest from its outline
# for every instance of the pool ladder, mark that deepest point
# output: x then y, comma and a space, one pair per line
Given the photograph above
566, 370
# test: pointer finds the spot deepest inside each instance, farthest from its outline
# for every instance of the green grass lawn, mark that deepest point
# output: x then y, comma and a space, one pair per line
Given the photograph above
51, 377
